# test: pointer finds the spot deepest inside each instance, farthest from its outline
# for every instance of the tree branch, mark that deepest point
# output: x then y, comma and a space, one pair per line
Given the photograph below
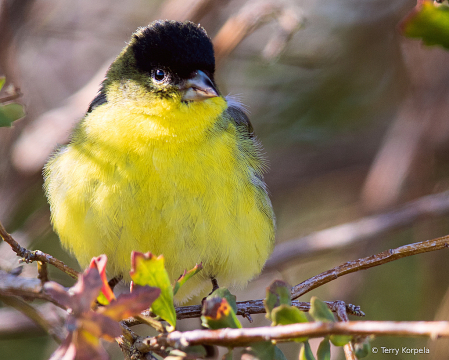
368, 262
36, 255
245, 308
12, 285
241, 337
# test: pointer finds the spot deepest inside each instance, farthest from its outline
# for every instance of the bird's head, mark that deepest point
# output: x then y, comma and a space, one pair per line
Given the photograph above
167, 61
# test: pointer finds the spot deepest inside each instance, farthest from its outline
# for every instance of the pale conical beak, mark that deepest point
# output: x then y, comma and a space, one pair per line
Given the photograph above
198, 88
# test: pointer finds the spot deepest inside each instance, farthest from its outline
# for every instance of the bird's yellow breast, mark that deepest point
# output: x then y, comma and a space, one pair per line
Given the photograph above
165, 181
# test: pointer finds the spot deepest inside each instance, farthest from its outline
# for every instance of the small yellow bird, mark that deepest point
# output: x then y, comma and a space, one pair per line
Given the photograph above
162, 162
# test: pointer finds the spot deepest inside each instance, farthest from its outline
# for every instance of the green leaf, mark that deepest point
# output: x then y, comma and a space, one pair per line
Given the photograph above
324, 350
225, 293
340, 340
429, 23
278, 354
147, 269
306, 352
319, 310
286, 315
218, 314
186, 276
278, 293
263, 351
10, 113
2, 81
362, 349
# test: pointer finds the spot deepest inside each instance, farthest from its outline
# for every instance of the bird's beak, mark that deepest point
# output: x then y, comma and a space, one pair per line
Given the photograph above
198, 88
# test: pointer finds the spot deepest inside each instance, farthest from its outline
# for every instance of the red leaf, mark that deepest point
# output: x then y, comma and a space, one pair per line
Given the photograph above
100, 264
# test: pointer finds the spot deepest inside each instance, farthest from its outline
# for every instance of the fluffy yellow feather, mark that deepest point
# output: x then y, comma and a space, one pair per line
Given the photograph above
165, 166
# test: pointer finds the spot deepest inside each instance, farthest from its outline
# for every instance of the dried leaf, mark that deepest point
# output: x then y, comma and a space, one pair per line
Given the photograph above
218, 314
130, 304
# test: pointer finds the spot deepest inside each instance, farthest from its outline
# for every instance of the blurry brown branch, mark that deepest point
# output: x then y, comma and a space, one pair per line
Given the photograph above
253, 15
13, 323
418, 131
192, 10
360, 230
29, 288
39, 139
241, 337
36, 255
32, 314
368, 262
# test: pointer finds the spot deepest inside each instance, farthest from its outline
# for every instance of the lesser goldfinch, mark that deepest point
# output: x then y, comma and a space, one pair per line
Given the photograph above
162, 162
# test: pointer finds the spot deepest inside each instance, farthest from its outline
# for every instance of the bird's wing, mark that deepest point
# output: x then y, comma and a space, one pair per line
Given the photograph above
237, 111
98, 100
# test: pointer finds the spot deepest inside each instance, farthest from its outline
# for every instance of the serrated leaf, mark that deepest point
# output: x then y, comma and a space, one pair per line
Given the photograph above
429, 23
127, 305
186, 276
278, 293
10, 113
2, 82
263, 351
225, 293
362, 350
147, 269
218, 314
340, 340
306, 352
319, 311
324, 350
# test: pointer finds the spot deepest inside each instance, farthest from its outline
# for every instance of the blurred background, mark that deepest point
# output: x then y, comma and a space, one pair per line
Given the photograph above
352, 116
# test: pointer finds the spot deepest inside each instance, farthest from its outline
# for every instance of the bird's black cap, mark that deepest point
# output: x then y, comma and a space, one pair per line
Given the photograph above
183, 47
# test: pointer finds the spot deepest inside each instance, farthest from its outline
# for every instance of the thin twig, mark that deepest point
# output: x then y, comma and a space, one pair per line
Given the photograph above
12, 285
36, 255
368, 262
361, 230
250, 17
245, 308
240, 337
8, 98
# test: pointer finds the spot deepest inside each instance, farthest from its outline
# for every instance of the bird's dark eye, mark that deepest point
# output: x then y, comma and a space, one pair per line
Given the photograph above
159, 75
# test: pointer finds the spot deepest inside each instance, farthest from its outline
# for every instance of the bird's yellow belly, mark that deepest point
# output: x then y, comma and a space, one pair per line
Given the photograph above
196, 203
